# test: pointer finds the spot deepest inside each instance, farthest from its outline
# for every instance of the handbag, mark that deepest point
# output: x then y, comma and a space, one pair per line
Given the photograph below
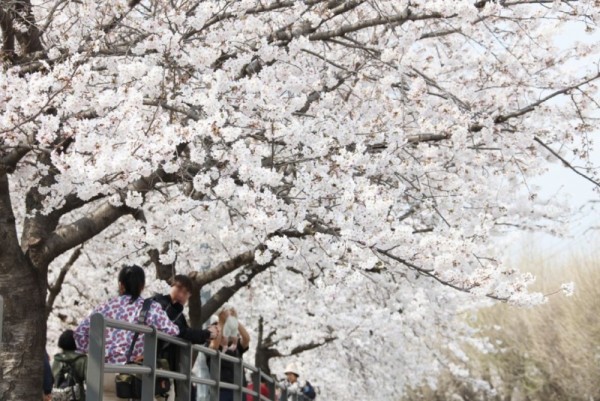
129, 386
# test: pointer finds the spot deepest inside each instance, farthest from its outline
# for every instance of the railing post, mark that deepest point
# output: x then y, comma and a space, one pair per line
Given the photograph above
150, 348
184, 388
238, 378
215, 374
256, 383
272, 387
95, 364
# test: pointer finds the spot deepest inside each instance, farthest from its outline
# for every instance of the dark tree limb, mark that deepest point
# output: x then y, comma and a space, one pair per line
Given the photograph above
54, 289
9, 162
242, 279
222, 269
566, 163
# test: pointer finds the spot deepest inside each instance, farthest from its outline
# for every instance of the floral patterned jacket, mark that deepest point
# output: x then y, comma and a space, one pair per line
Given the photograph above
118, 341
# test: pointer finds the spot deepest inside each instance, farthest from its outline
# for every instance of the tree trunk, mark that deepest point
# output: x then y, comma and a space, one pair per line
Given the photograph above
195, 305
24, 291
263, 354
261, 360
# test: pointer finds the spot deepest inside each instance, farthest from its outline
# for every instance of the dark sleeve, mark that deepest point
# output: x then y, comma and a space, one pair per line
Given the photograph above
195, 336
241, 349
48, 379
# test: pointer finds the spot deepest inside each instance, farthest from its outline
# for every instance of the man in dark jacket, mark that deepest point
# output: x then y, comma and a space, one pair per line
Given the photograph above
173, 304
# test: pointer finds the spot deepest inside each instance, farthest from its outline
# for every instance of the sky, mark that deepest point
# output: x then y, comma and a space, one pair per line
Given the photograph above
583, 228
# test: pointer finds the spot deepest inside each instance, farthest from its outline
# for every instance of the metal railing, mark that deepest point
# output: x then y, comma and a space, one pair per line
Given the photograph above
148, 371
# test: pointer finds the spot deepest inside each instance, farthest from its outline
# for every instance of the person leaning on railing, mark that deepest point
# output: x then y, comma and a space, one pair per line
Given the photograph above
126, 307
173, 304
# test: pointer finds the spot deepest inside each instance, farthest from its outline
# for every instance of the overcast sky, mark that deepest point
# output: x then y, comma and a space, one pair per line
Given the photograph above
584, 227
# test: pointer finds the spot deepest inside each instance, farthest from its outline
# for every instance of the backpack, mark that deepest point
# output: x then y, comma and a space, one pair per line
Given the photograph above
309, 391
67, 386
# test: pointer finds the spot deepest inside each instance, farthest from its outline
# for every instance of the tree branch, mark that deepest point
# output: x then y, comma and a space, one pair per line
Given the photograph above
223, 268
431, 274
76, 233
392, 19
8, 37
54, 290
532, 106
9, 162
566, 163
163, 272
310, 346
242, 279
69, 236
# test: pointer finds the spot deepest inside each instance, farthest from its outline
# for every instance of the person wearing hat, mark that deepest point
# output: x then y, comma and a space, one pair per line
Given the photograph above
293, 389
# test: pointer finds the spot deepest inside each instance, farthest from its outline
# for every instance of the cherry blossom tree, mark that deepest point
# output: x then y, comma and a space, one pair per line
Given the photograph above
345, 165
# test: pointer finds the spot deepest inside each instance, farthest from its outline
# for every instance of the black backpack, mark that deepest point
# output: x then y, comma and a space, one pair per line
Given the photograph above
309, 391
67, 386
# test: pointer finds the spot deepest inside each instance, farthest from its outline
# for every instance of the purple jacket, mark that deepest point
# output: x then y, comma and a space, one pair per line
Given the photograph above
119, 341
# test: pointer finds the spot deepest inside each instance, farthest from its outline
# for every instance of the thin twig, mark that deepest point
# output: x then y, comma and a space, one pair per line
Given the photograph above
566, 163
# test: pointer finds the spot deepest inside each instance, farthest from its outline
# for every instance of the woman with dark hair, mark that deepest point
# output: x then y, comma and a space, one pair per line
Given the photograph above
126, 307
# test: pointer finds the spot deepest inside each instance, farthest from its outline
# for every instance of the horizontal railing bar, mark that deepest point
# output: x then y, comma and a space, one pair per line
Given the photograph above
131, 369
171, 340
205, 350
169, 374
200, 380
249, 367
264, 398
229, 386
229, 358
119, 324
268, 378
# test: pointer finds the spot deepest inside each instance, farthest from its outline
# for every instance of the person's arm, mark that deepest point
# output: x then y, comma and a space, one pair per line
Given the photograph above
197, 336
216, 342
244, 336
159, 319
82, 332
82, 335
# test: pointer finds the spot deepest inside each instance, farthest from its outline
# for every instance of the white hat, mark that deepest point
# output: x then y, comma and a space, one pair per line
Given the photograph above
214, 319
292, 368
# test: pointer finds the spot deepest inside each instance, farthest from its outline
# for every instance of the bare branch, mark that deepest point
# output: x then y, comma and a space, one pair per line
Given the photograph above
310, 346
532, 106
566, 163
431, 274
383, 20
54, 290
